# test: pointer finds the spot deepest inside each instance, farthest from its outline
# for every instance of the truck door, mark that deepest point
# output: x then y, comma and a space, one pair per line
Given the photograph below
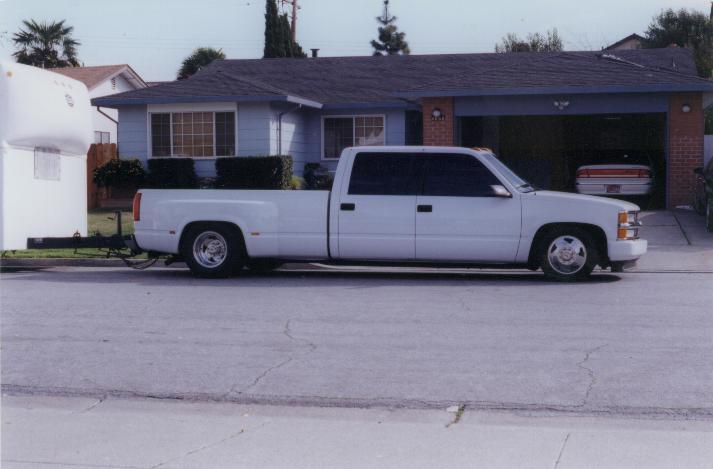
377, 209
459, 216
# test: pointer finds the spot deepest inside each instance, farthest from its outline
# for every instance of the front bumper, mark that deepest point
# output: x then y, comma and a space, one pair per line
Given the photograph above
627, 250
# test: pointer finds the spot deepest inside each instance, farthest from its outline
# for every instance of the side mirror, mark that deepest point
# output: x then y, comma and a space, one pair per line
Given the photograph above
501, 191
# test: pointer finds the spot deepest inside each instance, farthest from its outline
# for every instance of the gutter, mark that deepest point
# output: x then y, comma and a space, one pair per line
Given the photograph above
279, 126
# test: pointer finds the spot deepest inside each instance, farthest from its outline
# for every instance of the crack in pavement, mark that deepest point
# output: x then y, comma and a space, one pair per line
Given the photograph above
559, 456
590, 372
288, 333
93, 406
202, 448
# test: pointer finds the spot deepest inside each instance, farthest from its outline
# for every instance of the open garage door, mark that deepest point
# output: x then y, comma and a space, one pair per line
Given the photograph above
547, 150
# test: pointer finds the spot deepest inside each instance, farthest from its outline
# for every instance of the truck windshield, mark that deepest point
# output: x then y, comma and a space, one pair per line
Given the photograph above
519, 183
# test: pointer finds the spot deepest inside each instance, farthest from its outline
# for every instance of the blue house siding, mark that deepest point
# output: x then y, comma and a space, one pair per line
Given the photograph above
132, 131
294, 134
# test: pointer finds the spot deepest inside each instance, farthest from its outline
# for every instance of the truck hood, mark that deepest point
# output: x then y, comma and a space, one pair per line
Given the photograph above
568, 196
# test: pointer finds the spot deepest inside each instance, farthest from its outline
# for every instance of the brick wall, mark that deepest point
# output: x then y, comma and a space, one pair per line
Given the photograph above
685, 147
438, 132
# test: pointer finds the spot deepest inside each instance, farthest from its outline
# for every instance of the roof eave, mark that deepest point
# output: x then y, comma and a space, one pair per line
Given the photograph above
548, 90
113, 101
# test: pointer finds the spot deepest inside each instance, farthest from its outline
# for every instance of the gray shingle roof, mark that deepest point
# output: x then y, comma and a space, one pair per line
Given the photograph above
364, 80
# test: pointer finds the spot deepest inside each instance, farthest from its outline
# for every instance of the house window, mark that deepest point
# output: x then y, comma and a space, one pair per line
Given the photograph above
343, 132
101, 137
193, 134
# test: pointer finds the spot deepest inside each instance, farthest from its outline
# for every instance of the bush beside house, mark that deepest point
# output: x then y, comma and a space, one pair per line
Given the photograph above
123, 177
254, 172
172, 174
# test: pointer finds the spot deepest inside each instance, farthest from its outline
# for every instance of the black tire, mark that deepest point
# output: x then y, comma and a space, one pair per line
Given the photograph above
263, 265
213, 250
709, 215
568, 254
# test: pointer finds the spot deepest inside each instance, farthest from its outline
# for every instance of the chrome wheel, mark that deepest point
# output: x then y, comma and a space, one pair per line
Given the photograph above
567, 255
210, 249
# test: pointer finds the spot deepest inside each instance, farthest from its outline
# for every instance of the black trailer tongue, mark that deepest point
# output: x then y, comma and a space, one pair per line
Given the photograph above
115, 245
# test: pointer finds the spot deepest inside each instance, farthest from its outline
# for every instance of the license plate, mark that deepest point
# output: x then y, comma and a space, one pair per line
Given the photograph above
613, 189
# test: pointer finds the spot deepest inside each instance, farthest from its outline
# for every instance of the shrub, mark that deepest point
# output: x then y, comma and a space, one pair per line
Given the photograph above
317, 177
254, 172
119, 173
179, 173
297, 183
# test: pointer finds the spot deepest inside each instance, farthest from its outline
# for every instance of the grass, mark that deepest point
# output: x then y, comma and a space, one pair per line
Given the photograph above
99, 220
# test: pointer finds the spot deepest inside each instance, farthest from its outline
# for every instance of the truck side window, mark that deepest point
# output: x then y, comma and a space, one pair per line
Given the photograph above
457, 176
384, 174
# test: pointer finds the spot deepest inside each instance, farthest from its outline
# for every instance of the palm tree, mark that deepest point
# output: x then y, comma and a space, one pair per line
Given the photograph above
46, 45
200, 58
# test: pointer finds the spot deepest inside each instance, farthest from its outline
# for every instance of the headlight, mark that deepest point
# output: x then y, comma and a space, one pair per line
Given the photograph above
628, 226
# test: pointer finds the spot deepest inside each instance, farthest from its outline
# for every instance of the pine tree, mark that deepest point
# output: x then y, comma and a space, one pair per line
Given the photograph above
278, 38
391, 41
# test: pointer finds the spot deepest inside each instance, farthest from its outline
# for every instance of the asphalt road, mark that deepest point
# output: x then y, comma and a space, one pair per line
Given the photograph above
636, 344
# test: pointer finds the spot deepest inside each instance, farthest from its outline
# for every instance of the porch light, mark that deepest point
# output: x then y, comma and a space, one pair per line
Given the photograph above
686, 108
437, 114
561, 105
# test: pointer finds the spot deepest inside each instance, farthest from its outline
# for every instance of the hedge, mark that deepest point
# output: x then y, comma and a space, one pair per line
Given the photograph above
254, 172
119, 173
178, 173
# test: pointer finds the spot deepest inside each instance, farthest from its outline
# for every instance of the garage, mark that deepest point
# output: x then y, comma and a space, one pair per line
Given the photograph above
548, 150
546, 115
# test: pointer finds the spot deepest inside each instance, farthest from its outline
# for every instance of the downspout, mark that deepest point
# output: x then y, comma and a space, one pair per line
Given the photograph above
107, 116
279, 126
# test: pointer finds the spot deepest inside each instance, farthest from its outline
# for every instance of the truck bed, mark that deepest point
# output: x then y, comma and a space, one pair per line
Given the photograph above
279, 224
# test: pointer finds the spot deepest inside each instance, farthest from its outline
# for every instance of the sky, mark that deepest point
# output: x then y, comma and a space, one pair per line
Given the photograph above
154, 36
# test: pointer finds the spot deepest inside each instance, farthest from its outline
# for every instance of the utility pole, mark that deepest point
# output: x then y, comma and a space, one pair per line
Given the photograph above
293, 23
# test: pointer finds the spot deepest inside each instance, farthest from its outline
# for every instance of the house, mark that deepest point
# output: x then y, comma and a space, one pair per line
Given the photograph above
105, 80
633, 41
543, 113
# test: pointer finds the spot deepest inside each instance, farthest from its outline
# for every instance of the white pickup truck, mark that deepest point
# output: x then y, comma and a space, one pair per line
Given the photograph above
395, 206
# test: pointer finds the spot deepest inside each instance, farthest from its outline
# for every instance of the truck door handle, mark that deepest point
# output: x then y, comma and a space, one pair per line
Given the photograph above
348, 207
424, 208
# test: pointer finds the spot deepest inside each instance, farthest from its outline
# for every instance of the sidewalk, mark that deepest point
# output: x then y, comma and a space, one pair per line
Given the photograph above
678, 241
57, 432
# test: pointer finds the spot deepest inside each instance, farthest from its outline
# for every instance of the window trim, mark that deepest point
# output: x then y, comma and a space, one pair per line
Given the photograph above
179, 108
353, 117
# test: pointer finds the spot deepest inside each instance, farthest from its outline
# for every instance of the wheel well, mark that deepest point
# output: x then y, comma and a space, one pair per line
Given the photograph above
230, 226
597, 234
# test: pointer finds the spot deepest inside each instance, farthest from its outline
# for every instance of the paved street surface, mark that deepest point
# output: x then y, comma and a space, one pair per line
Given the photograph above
633, 351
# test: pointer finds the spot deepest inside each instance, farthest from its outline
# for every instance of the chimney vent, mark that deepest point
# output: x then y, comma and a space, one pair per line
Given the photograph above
315, 53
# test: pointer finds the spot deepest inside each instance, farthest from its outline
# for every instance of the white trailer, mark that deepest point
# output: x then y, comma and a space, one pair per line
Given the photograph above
45, 132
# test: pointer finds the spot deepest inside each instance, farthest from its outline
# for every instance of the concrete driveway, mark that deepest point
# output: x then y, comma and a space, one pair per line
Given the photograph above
678, 241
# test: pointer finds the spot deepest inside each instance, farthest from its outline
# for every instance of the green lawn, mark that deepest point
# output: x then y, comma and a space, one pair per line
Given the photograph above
99, 220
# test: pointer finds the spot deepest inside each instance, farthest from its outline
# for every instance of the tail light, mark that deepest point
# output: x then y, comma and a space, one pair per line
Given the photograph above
613, 173
137, 206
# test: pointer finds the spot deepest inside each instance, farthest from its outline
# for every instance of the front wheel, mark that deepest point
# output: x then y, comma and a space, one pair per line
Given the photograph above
213, 250
568, 255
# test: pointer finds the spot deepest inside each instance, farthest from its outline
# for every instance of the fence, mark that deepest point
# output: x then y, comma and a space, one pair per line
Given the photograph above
99, 153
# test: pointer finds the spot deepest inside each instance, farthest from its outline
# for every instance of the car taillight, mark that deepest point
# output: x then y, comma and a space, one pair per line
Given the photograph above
137, 206
613, 173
